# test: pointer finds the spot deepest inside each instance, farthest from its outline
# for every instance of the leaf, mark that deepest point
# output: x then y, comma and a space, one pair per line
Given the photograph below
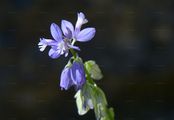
93, 97
83, 100
93, 69
102, 112
80, 103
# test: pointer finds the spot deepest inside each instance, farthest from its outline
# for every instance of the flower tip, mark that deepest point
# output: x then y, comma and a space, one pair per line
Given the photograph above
93, 29
63, 21
42, 45
63, 88
53, 24
81, 14
41, 39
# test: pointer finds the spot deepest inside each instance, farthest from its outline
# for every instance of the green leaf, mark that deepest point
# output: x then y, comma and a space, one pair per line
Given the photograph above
93, 97
102, 112
93, 69
80, 101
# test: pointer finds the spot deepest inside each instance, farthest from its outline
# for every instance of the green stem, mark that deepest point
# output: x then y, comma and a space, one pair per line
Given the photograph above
90, 80
73, 53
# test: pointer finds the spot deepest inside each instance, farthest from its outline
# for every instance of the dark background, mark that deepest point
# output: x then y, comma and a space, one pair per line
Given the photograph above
134, 46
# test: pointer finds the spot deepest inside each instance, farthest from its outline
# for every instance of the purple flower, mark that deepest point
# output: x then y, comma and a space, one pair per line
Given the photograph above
78, 34
73, 76
59, 45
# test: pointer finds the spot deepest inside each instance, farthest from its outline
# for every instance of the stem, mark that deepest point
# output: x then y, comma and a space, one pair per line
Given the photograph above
90, 80
73, 53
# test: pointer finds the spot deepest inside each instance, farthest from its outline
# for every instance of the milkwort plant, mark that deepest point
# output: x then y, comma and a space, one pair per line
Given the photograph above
76, 73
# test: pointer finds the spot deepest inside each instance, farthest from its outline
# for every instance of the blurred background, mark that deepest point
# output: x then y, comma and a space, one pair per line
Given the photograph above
134, 46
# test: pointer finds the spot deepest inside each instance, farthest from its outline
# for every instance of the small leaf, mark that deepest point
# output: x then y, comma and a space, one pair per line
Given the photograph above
101, 96
93, 69
80, 103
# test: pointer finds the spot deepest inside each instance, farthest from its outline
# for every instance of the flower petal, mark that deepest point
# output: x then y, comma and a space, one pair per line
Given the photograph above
65, 79
77, 74
67, 28
80, 21
86, 34
54, 53
49, 42
44, 43
74, 47
66, 53
56, 32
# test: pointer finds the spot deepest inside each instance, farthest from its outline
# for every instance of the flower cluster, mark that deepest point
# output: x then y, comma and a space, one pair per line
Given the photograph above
61, 43
76, 73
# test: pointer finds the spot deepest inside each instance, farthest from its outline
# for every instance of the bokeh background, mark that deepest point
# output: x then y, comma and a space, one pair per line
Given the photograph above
134, 46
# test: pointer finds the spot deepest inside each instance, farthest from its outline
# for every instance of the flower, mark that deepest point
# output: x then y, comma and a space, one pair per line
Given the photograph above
73, 75
59, 45
77, 34
65, 79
